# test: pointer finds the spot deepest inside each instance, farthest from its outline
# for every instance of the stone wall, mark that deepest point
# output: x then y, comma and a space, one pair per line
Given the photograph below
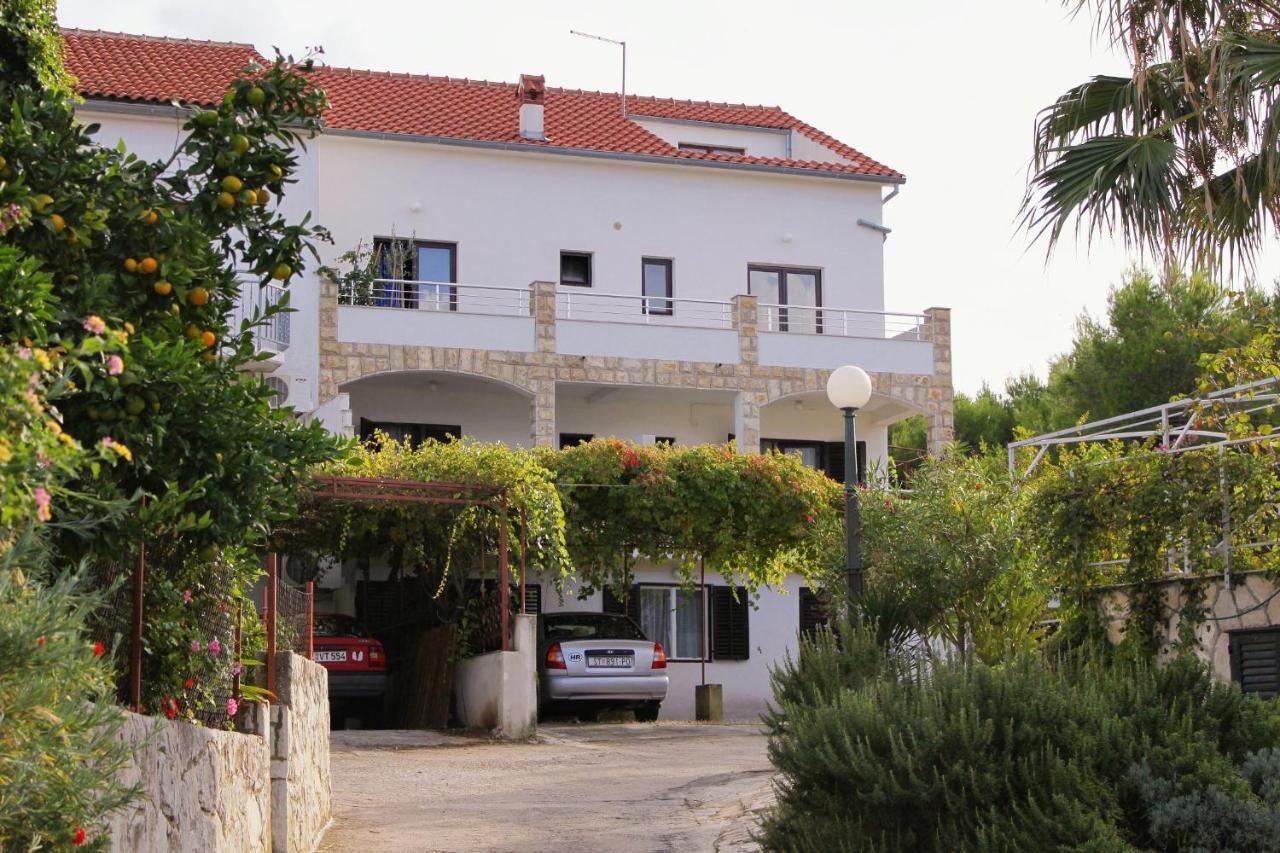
1248, 600
203, 789
536, 373
301, 790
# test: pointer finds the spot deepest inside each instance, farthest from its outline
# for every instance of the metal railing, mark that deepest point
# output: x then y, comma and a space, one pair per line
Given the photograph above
438, 296
255, 298
844, 322
649, 310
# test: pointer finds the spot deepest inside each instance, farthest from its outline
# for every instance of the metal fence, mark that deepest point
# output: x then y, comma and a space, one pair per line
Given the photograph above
844, 322
288, 617
255, 298
648, 310
438, 296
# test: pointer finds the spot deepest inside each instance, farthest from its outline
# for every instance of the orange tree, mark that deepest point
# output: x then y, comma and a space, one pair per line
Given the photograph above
150, 255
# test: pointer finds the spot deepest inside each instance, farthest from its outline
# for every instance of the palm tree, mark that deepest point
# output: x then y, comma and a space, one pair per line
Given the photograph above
1182, 157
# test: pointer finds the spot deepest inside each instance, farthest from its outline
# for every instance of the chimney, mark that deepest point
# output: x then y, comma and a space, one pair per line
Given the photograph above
533, 93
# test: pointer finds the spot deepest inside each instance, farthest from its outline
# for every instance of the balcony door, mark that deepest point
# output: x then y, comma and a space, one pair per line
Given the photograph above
796, 293
420, 274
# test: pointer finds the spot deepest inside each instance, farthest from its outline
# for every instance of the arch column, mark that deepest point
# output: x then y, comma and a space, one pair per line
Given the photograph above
543, 413
746, 421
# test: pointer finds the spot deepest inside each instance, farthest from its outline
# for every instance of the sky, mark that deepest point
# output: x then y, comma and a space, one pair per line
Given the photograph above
944, 92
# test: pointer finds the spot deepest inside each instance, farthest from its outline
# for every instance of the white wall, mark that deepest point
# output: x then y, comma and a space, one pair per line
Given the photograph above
629, 415
512, 213
484, 411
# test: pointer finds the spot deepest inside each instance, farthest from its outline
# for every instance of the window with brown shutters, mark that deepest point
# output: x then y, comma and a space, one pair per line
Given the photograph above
813, 612
1255, 660
628, 605
730, 623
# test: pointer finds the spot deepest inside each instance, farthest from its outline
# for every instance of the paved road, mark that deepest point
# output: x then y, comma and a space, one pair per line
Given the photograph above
612, 788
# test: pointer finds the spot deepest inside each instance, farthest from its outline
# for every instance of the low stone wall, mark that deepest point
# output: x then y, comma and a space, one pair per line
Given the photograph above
1248, 601
498, 691
301, 790
202, 789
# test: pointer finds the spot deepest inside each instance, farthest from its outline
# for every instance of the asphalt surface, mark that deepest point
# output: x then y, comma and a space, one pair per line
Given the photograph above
615, 788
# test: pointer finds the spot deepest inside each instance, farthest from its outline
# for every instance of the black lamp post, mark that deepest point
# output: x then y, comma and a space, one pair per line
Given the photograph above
849, 389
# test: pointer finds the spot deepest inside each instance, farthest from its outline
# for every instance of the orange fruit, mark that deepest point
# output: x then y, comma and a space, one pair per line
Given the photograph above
255, 96
150, 217
162, 288
208, 338
281, 272
247, 197
147, 266
198, 296
40, 202
58, 223
130, 265
191, 332
232, 184
276, 172
226, 201
263, 196
207, 355
239, 143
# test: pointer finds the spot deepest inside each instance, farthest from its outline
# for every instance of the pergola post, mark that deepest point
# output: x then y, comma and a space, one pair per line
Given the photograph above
504, 575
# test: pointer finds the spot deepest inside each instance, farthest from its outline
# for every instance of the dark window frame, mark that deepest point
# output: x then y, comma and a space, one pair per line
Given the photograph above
369, 426
669, 299
705, 639
573, 439
1254, 681
830, 454
406, 301
588, 257
710, 148
783, 272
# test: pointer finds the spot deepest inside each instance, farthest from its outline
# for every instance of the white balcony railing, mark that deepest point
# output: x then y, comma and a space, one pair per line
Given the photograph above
844, 322
255, 298
648, 310
439, 296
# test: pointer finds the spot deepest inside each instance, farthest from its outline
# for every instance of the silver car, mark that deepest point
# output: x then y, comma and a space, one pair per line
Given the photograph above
593, 661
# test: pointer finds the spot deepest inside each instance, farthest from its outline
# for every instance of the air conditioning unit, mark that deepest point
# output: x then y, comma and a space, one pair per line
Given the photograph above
292, 390
279, 391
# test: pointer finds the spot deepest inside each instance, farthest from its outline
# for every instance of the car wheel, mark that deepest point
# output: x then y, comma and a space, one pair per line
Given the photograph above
589, 715
648, 712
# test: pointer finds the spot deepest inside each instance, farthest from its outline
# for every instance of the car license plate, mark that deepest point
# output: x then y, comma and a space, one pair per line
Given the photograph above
331, 657
609, 661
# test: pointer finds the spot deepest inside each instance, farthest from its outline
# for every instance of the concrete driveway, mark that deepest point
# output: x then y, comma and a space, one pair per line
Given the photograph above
612, 787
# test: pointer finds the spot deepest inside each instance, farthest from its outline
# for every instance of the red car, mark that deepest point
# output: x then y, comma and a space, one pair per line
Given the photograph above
356, 662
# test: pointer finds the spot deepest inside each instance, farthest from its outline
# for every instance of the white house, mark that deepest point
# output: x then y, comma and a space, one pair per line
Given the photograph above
682, 271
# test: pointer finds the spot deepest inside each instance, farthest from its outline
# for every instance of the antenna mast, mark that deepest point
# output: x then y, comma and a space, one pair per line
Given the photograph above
621, 44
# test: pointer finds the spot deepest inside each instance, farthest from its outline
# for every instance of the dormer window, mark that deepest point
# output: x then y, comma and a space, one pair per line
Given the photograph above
707, 148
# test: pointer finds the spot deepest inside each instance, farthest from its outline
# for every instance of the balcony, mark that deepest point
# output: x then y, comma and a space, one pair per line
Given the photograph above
441, 314
272, 336
587, 323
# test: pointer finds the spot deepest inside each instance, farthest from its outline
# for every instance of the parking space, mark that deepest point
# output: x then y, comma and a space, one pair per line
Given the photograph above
610, 787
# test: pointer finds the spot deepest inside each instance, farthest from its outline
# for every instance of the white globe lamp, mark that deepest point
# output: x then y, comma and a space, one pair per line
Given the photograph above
849, 387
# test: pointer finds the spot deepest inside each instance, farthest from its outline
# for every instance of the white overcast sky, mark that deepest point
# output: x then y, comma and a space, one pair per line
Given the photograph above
945, 92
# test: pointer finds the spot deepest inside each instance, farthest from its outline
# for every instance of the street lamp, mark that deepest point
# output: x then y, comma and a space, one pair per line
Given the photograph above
849, 389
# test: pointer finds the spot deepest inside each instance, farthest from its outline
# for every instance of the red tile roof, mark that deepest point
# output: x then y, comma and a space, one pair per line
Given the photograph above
143, 68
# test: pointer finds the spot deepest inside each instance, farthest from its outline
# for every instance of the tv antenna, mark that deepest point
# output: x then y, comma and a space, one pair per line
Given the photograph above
621, 44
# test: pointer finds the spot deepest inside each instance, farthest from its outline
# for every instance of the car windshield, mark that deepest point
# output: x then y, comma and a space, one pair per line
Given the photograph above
590, 626
336, 625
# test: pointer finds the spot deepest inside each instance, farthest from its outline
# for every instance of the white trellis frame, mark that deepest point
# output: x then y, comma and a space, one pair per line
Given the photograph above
1177, 425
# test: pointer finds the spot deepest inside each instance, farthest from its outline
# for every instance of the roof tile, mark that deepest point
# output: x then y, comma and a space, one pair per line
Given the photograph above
143, 68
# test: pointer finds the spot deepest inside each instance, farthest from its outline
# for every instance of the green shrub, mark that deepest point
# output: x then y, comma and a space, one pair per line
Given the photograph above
58, 755
1074, 753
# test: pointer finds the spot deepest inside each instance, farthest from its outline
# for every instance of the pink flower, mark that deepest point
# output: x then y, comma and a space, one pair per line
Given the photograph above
93, 324
115, 365
43, 501
236, 668
186, 596
195, 645
24, 352
232, 707
215, 648
107, 441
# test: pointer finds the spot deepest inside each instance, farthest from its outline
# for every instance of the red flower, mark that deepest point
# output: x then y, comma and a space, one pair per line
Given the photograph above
977, 487
809, 518
40, 641
189, 683
79, 836
170, 706
98, 649
888, 504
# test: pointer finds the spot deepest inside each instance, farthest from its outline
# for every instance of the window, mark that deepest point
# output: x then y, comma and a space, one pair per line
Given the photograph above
575, 269
416, 274
415, 433
796, 293
573, 439
826, 456
655, 284
672, 615
667, 440
813, 612
706, 148
1255, 660
589, 626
